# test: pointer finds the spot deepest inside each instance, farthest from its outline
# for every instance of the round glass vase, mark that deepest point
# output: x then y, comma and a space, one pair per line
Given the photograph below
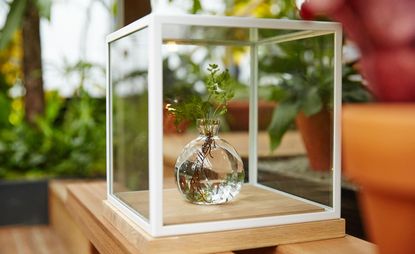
209, 170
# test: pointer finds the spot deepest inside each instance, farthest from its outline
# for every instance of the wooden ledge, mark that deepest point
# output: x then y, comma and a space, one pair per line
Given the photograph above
84, 203
344, 245
214, 242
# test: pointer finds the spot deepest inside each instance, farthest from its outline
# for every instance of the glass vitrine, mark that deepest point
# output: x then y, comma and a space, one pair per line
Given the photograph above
283, 119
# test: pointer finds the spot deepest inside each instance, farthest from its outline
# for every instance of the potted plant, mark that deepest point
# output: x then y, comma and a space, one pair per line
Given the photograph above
378, 138
237, 115
304, 96
177, 89
174, 90
174, 93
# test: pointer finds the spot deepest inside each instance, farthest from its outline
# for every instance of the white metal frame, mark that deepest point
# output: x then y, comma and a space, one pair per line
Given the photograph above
154, 23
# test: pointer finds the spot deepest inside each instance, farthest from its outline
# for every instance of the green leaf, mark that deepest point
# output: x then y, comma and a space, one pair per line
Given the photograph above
114, 9
54, 105
277, 93
13, 21
312, 103
44, 127
5, 106
220, 89
283, 116
44, 7
196, 7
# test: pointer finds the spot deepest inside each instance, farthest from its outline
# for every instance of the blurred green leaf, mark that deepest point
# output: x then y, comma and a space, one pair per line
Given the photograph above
54, 106
282, 118
114, 9
4, 110
13, 21
312, 103
44, 8
196, 7
277, 93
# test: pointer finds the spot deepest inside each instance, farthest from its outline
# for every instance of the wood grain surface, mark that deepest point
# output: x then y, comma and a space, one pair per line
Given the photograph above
85, 204
250, 203
62, 222
344, 245
224, 240
30, 240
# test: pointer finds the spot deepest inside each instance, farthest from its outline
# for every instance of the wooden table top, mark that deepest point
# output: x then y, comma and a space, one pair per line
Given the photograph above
30, 240
84, 202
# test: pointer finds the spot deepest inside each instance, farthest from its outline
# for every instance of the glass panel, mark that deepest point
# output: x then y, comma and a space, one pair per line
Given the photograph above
295, 70
129, 69
206, 35
193, 35
274, 34
298, 76
185, 71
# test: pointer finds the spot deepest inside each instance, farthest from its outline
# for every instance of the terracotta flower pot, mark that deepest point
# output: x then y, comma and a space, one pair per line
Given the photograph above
238, 114
379, 155
316, 132
168, 124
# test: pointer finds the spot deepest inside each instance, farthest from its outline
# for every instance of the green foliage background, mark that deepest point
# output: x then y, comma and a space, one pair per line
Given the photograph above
67, 141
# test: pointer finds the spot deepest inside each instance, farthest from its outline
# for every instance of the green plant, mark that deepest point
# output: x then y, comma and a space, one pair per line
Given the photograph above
178, 89
67, 141
310, 95
24, 18
304, 69
220, 89
353, 91
16, 14
66, 138
205, 111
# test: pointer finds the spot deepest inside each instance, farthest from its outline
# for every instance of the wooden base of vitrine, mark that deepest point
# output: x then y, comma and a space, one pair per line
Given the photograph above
226, 240
252, 202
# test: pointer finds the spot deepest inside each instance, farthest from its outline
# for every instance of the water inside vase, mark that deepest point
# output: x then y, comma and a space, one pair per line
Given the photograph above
209, 170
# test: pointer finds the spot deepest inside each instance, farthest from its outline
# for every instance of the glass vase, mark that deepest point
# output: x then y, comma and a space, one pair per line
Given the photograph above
209, 170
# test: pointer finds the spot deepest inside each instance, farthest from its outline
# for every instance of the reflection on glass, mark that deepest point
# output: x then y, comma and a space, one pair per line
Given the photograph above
204, 35
184, 73
300, 76
295, 70
129, 67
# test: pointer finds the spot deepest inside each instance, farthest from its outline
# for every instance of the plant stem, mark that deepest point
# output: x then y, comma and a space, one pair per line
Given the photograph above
216, 109
206, 150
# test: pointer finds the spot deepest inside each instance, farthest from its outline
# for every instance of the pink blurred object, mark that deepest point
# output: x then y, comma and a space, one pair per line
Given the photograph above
384, 31
377, 136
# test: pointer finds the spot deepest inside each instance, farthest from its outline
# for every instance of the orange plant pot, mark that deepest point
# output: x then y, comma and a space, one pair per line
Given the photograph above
379, 155
316, 132
238, 114
168, 124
